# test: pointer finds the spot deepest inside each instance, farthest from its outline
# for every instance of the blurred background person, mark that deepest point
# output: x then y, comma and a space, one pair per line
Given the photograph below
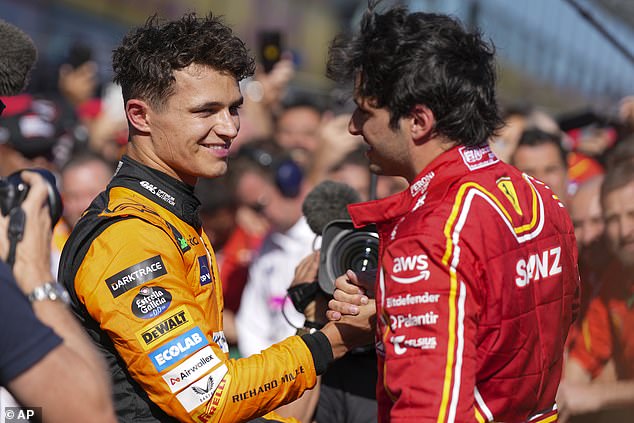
599, 381
82, 179
272, 184
541, 155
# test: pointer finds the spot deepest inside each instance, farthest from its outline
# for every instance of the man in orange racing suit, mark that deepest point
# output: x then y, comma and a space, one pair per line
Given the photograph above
142, 273
478, 276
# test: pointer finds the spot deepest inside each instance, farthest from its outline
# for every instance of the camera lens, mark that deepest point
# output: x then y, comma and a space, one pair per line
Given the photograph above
350, 249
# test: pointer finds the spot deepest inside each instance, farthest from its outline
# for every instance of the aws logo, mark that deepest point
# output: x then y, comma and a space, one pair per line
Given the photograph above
410, 269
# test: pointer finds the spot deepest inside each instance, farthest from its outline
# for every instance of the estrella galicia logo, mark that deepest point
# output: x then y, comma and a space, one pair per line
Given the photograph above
205, 273
178, 348
136, 275
150, 302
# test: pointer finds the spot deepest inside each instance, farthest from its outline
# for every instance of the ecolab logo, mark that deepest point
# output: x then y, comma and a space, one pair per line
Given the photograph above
178, 348
538, 266
191, 369
409, 264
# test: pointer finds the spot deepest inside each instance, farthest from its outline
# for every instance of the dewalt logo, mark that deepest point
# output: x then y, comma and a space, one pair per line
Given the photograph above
172, 324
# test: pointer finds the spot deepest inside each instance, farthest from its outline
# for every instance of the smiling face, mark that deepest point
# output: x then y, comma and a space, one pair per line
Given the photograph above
190, 135
387, 148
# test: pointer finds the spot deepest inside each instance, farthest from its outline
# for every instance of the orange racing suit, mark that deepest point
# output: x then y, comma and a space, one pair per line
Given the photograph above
144, 282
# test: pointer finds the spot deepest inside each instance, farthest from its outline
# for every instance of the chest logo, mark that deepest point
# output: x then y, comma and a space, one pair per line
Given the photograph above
410, 269
136, 275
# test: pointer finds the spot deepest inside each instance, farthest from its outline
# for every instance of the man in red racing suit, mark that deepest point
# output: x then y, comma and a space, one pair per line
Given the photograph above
476, 292
477, 269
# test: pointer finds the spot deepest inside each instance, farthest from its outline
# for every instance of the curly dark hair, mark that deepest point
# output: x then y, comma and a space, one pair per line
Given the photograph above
145, 62
403, 59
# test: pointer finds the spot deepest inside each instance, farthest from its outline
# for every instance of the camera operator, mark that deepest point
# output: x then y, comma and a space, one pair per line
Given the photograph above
38, 340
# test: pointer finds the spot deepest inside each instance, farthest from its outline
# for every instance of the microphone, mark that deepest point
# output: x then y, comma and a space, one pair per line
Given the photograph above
328, 201
17, 59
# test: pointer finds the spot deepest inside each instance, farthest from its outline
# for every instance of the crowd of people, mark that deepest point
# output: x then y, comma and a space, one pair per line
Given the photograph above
182, 230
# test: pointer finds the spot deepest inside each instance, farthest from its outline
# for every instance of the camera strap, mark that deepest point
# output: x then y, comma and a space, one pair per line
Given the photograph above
302, 294
17, 221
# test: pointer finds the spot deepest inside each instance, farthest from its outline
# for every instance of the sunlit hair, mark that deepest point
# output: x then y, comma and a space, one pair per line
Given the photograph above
402, 59
145, 62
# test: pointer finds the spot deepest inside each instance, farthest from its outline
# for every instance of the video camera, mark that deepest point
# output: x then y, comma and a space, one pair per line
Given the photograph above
13, 191
345, 247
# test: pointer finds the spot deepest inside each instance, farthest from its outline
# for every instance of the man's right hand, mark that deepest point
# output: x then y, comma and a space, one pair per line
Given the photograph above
348, 298
352, 316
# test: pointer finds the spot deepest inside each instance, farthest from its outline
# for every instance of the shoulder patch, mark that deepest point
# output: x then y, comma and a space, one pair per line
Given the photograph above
136, 275
508, 189
151, 301
158, 330
476, 158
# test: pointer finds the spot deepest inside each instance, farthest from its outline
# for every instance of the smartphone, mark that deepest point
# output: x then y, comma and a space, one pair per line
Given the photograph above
270, 48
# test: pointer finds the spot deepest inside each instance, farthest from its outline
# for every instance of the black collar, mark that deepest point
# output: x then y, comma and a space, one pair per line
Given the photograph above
169, 193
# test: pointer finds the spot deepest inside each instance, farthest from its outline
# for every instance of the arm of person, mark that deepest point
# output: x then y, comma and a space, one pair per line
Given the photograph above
51, 379
168, 367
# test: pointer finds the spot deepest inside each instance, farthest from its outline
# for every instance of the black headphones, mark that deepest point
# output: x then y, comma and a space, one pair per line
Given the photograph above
287, 174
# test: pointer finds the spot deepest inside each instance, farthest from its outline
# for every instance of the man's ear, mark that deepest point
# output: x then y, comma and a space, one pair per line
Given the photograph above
423, 122
137, 112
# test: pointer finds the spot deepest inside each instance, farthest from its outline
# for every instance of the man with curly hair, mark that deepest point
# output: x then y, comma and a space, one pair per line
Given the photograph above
478, 266
140, 270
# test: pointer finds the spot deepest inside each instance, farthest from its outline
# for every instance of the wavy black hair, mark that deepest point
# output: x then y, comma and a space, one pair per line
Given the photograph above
145, 62
403, 59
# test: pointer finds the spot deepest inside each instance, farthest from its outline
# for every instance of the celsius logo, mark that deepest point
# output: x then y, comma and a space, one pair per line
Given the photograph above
423, 343
205, 273
179, 347
150, 302
414, 267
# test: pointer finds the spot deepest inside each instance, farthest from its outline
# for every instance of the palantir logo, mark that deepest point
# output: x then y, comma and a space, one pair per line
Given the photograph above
410, 269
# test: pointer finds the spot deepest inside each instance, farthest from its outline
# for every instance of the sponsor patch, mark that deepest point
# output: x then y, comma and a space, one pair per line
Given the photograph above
412, 320
205, 273
220, 339
204, 390
164, 196
410, 269
409, 299
422, 184
477, 158
178, 348
136, 275
508, 189
191, 369
424, 343
150, 302
156, 332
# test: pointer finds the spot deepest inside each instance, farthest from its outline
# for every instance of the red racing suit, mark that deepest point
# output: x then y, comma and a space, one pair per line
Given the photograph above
477, 288
144, 282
